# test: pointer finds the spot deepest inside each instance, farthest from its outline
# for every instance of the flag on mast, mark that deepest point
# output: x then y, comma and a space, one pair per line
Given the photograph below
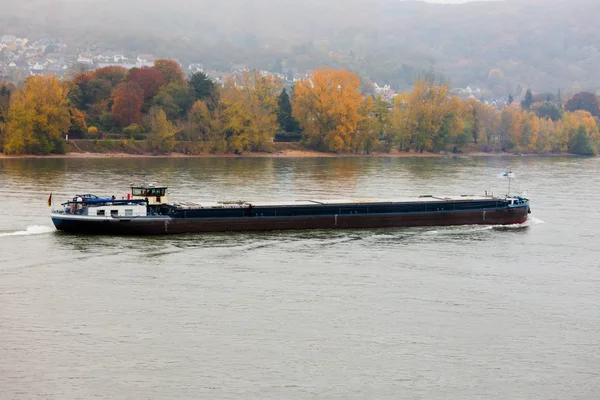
505, 175
50, 200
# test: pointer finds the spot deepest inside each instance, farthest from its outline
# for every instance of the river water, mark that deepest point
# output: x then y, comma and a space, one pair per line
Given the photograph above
420, 313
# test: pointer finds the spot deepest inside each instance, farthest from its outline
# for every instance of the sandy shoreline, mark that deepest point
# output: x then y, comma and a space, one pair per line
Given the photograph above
280, 154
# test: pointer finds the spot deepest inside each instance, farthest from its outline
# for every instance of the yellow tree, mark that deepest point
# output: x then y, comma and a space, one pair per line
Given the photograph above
429, 116
530, 129
401, 132
371, 125
162, 135
547, 131
586, 119
510, 128
39, 116
559, 141
328, 106
204, 128
249, 111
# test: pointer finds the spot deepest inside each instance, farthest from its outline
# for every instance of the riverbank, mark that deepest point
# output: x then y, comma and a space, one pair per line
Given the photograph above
287, 153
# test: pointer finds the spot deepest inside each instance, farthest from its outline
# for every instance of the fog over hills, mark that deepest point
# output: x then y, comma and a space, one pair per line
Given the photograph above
545, 45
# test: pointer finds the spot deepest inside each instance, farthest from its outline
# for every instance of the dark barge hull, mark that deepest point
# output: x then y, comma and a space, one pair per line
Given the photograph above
167, 225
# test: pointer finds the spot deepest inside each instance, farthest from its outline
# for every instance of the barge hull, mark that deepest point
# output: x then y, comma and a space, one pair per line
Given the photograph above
167, 225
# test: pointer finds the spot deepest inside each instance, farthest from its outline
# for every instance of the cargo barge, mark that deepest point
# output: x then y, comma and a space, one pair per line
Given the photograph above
147, 211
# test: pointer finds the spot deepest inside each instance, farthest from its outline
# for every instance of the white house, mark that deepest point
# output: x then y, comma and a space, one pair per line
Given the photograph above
85, 58
195, 67
8, 39
145, 58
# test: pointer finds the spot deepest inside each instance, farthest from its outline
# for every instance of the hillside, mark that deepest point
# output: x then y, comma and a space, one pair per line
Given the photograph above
545, 45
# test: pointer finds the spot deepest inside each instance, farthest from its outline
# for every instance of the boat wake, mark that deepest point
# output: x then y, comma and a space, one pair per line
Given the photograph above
31, 230
469, 229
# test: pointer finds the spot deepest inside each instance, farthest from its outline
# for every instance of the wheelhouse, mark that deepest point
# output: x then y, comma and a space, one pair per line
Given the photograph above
154, 195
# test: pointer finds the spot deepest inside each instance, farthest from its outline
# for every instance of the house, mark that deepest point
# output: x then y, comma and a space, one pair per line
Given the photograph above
145, 58
58, 70
21, 42
195, 67
380, 90
8, 39
20, 64
38, 66
85, 58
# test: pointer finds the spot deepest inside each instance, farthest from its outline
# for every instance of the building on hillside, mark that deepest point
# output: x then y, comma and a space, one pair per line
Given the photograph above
37, 68
21, 42
8, 39
20, 64
195, 67
145, 59
59, 70
85, 58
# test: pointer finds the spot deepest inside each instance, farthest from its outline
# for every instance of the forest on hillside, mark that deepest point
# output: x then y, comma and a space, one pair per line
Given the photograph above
499, 46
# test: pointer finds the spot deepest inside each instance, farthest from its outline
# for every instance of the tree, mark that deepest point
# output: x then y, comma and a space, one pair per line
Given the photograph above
6, 91
249, 111
78, 126
382, 116
286, 120
510, 99
328, 105
509, 128
170, 70
584, 101
113, 74
175, 99
428, 119
204, 87
205, 129
527, 101
162, 132
149, 79
38, 117
581, 143
548, 110
128, 98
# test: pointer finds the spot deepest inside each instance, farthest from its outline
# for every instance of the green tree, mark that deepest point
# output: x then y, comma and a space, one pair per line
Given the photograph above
527, 101
175, 99
548, 110
203, 86
581, 143
286, 120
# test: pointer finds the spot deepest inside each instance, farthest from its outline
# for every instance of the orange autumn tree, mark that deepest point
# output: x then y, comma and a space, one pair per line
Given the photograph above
128, 99
328, 106
170, 70
39, 116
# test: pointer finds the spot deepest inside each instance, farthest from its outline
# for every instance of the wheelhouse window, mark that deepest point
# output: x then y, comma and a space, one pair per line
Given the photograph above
114, 213
147, 192
128, 212
100, 213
